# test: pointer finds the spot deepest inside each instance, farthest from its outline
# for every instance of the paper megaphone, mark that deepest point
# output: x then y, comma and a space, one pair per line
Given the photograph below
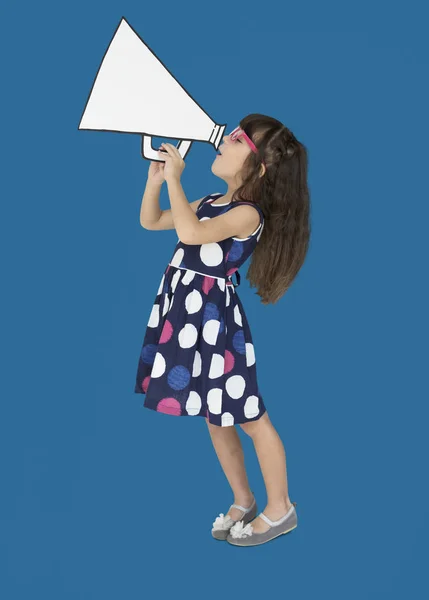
133, 92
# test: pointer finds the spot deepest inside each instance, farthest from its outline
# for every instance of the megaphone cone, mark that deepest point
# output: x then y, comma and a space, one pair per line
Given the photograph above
134, 92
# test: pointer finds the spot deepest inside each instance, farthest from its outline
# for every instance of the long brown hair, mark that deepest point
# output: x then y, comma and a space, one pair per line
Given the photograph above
282, 194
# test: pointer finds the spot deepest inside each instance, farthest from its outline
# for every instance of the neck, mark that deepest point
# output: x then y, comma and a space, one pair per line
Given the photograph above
233, 183
229, 192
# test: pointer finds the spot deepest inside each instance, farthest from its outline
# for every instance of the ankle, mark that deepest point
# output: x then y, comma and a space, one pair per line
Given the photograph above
284, 504
244, 499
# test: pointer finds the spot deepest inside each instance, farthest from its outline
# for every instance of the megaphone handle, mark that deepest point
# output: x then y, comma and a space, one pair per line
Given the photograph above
183, 147
151, 154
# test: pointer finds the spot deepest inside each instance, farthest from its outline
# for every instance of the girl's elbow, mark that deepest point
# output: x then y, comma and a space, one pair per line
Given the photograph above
190, 238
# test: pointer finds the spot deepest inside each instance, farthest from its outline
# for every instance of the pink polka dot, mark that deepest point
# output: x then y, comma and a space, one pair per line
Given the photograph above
231, 271
169, 406
229, 361
208, 283
167, 332
145, 383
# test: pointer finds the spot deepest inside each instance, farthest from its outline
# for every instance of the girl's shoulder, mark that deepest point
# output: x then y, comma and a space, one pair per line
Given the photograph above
248, 202
229, 205
256, 234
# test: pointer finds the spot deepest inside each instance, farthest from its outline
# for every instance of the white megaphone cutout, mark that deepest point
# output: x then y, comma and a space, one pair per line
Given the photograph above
133, 92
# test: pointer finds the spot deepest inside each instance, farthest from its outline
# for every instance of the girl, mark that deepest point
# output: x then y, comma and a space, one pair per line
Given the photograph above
198, 357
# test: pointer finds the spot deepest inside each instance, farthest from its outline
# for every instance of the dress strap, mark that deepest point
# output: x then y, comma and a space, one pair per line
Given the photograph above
203, 201
209, 198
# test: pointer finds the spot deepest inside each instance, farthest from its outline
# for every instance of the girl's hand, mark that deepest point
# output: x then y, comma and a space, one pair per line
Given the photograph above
174, 163
156, 172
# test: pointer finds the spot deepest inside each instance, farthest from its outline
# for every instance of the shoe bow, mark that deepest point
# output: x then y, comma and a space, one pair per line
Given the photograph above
222, 522
239, 530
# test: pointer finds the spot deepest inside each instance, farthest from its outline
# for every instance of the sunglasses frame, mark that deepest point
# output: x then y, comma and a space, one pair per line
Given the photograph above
239, 132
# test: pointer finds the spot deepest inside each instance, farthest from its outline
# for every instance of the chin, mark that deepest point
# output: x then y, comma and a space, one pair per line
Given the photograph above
213, 167
214, 171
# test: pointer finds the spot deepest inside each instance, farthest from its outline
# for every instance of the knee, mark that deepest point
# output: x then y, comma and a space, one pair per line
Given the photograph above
250, 428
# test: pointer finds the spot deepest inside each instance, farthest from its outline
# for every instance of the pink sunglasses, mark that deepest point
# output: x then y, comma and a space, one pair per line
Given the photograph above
238, 132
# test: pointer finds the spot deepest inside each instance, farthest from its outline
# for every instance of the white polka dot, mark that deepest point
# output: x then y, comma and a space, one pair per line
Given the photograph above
210, 331
154, 316
158, 367
171, 303
161, 285
221, 283
188, 277
193, 403
228, 297
196, 369
214, 401
217, 366
175, 279
187, 336
227, 420
260, 233
250, 354
251, 407
193, 302
166, 304
237, 315
211, 254
177, 258
235, 386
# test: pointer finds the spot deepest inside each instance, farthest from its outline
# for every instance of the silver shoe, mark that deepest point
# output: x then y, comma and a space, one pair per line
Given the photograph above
223, 523
243, 535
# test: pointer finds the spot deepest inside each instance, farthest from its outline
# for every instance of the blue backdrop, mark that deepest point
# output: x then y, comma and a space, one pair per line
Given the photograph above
102, 498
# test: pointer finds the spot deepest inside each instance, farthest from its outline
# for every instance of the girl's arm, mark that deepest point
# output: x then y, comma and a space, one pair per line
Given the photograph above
151, 216
192, 231
150, 212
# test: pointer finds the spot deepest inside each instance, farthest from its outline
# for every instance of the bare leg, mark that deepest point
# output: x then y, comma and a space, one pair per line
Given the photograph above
229, 450
272, 460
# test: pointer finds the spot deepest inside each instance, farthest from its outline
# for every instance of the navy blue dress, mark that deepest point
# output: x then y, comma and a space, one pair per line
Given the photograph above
198, 357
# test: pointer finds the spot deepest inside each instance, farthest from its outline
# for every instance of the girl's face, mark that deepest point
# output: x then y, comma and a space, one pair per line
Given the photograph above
228, 164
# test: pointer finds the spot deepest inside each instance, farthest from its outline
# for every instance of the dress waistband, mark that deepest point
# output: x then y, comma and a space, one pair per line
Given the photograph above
228, 278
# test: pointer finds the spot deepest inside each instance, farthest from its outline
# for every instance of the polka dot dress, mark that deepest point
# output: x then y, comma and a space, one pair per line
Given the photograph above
198, 357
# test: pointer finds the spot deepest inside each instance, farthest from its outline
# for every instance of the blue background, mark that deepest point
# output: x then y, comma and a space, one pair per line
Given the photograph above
102, 498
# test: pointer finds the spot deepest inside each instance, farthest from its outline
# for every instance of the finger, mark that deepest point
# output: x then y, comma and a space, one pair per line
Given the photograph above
172, 148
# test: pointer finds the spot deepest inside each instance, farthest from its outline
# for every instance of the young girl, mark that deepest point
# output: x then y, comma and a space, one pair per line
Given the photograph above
198, 357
